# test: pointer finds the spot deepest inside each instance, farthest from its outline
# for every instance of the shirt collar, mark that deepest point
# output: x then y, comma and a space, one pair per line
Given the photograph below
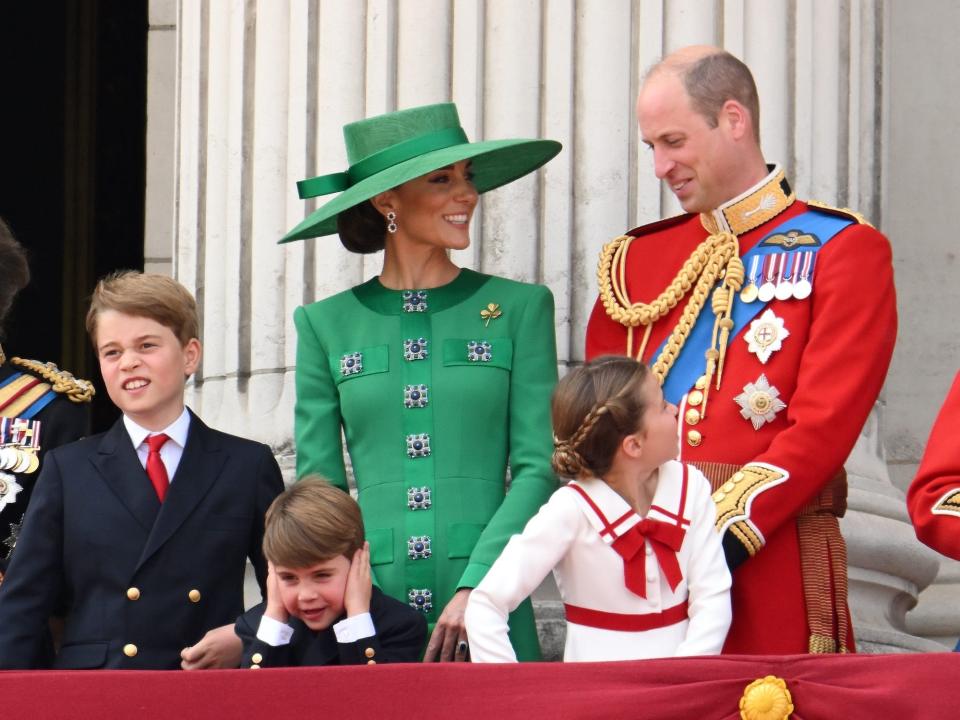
176, 431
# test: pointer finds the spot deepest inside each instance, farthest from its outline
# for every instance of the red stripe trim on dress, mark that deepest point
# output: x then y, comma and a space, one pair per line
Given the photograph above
607, 527
679, 519
624, 621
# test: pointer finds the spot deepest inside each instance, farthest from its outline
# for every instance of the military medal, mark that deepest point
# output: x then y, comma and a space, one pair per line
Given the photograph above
749, 293
785, 282
766, 335
767, 290
804, 285
759, 402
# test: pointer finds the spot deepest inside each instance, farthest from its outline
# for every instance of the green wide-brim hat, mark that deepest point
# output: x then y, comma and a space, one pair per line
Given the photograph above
388, 150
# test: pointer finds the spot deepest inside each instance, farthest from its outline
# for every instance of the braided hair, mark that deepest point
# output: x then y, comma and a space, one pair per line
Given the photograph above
594, 408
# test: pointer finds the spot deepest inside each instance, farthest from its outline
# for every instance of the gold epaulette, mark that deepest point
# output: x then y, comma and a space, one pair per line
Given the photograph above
840, 212
61, 381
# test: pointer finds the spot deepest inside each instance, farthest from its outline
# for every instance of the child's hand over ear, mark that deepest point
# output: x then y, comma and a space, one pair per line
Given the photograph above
356, 595
275, 609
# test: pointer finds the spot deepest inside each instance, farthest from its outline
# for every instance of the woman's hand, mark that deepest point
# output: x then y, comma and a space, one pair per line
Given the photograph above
356, 594
449, 639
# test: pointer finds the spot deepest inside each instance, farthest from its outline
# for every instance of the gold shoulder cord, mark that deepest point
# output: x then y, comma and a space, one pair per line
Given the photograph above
716, 259
60, 380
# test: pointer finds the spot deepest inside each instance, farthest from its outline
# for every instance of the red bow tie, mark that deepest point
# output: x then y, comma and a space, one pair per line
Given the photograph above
665, 538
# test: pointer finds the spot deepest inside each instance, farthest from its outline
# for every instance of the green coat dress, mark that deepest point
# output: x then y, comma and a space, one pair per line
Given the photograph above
436, 391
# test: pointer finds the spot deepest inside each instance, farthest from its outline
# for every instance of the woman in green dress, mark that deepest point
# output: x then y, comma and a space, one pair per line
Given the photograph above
438, 376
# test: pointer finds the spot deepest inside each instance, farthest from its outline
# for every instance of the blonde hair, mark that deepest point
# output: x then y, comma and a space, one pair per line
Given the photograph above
311, 522
594, 408
149, 295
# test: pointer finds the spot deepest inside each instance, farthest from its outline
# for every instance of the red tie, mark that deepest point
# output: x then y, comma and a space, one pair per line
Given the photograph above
156, 470
665, 538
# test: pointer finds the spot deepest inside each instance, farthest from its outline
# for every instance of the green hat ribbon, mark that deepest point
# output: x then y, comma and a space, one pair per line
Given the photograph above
379, 161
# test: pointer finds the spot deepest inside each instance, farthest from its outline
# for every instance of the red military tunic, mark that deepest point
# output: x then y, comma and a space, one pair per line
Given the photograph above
828, 372
933, 499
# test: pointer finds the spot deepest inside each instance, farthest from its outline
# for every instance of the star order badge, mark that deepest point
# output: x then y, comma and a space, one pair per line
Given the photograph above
9, 488
759, 402
766, 335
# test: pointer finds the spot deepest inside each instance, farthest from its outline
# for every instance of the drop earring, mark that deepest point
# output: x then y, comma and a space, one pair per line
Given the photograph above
391, 222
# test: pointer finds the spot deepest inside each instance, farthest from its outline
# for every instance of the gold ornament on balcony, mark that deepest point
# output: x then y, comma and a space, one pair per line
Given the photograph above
766, 699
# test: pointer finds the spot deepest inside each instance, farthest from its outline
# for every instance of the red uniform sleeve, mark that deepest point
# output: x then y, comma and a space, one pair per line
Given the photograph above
933, 499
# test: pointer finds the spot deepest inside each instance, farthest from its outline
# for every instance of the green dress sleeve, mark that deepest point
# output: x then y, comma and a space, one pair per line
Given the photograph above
317, 413
533, 377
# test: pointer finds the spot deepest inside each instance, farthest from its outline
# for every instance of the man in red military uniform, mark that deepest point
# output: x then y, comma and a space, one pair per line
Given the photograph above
770, 323
933, 499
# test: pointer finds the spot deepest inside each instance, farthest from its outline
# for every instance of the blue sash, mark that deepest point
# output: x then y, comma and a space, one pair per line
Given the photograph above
692, 361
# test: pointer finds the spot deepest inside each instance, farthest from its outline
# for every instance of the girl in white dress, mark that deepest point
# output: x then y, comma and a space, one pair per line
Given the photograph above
631, 540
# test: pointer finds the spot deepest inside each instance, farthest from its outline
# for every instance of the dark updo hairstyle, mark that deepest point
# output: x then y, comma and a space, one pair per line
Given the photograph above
362, 228
594, 408
14, 271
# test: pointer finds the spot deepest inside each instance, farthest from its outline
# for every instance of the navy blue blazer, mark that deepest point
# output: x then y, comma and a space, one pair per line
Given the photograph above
401, 633
139, 581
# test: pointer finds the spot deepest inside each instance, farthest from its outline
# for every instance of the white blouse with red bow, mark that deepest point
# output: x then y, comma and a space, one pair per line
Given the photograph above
633, 587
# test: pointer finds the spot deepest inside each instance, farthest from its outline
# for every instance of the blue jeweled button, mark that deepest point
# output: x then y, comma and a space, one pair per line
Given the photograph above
418, 498
421, 599
351, 363
478, 351
418, 547
415, 301
415, 349
415, 396
418, 445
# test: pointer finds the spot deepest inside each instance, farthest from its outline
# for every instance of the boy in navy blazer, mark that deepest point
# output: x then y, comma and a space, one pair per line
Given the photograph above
140, 534
321, 607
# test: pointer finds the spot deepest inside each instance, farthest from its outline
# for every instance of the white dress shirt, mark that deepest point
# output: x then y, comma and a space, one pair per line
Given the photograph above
172, 449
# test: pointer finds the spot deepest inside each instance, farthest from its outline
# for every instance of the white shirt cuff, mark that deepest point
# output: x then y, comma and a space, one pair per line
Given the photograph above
354, 628
273, 632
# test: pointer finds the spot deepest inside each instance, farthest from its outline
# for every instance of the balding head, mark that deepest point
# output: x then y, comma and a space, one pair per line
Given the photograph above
711, 77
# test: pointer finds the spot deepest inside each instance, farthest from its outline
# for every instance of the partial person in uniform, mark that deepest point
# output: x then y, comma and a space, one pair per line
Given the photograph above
41, 407
630, 540
141, 534
933, 498
770, 322
439, 376
321, 606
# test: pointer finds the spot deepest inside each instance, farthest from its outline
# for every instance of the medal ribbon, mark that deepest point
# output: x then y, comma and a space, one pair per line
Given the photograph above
689, 365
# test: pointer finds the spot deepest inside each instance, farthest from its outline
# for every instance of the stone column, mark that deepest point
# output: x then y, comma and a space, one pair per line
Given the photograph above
264, 86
